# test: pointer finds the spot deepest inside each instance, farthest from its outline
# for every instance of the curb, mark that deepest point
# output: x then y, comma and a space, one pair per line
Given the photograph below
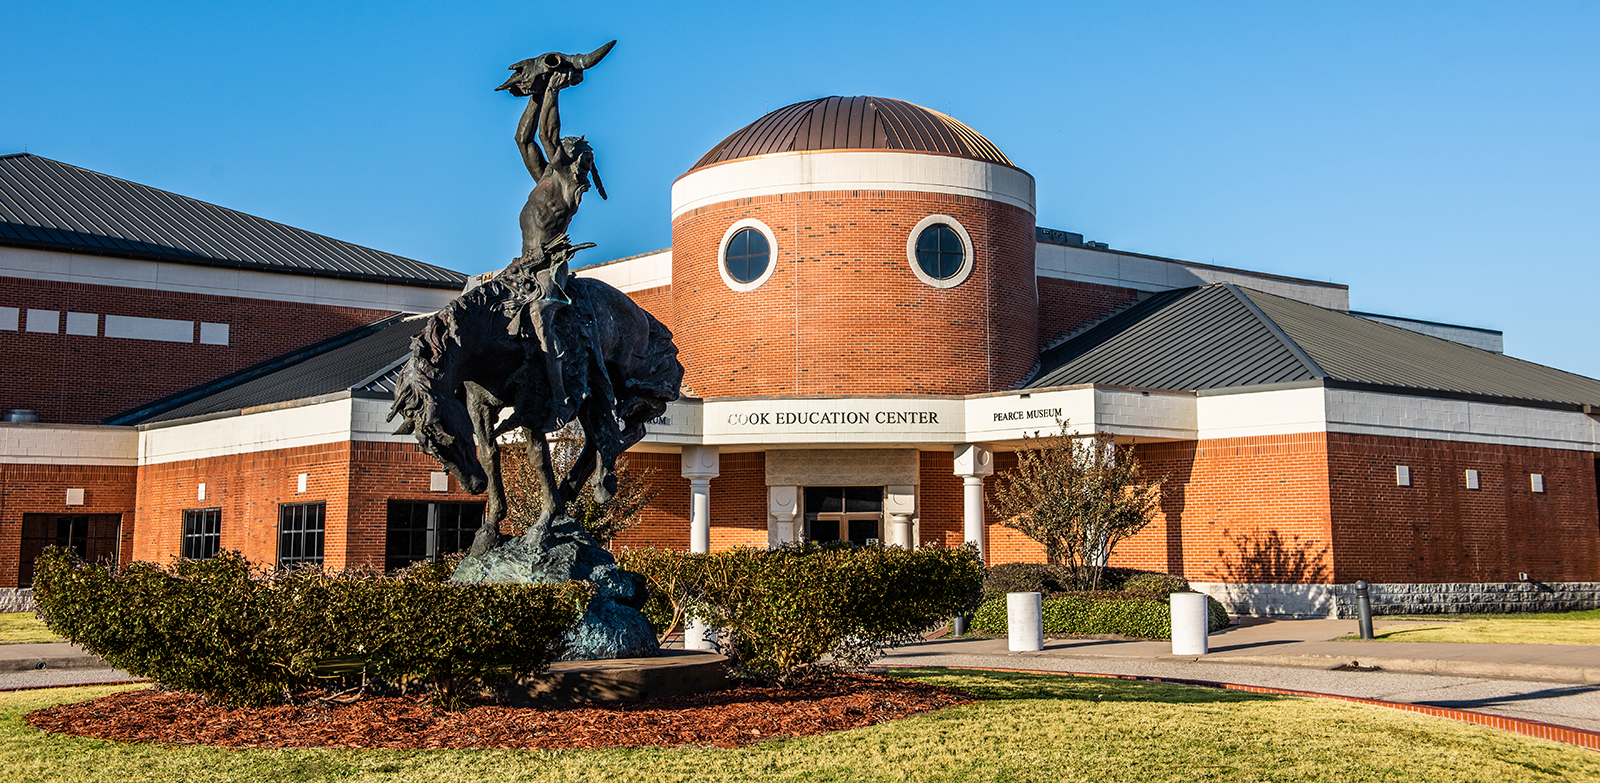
1506, 671
55, 663
1583, 738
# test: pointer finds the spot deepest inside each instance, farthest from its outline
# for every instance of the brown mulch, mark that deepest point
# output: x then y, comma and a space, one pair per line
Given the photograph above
743, 715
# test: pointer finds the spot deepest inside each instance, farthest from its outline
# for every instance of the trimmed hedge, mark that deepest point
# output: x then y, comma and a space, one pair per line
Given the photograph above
215, 628
1125, 613
779, 613
1059, 579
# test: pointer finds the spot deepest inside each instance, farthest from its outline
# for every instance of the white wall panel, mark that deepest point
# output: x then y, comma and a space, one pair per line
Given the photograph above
805, 172
68, 444
1144, 273
84, 324
213, 334
284, 428
44, 321
652, 270
1396, 415
9, 317
1253, 414
132, 327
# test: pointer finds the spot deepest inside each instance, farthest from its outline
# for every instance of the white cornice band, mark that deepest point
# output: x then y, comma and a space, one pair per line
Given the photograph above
803, 172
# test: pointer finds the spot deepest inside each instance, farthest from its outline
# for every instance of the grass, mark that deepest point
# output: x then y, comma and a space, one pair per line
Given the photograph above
1555, 628
1030, 728
24, 628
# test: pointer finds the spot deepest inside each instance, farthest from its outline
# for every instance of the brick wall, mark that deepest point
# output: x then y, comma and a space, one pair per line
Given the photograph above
379, 473
1437, 530
248, 488
665, 522
80, 379
42, 489
1065, 305
657, 302
842, 312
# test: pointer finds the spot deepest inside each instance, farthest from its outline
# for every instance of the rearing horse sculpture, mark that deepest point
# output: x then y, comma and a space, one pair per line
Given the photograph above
472, 362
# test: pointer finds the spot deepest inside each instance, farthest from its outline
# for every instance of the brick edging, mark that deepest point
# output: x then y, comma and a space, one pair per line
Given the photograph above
1582, 738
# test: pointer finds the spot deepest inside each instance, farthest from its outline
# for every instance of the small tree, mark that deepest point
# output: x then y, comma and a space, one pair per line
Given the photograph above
525, 500
1079, 496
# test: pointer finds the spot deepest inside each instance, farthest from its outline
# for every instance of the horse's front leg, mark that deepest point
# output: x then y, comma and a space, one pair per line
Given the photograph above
539, 457
484, 414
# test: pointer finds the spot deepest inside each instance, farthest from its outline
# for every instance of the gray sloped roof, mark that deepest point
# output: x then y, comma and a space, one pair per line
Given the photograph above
49, 205
1222, 336
366, 360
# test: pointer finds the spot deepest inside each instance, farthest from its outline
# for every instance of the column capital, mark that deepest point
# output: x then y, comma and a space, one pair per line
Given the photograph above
701, 462
973, 460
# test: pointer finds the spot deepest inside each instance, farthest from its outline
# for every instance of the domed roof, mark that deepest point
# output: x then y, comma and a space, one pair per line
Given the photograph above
856, 123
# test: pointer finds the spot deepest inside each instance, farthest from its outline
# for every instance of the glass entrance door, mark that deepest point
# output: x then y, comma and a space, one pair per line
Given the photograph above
853, 514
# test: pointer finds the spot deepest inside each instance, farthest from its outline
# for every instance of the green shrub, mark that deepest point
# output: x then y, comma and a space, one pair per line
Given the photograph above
215, 628
780, 612
1124, 613
1059, 579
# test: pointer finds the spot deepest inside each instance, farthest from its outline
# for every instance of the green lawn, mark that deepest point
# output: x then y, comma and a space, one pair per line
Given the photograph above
1032, 728
24, 628
1555, 628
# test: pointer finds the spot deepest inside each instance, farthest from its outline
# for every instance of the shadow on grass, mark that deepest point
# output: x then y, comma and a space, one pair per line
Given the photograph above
1010, 686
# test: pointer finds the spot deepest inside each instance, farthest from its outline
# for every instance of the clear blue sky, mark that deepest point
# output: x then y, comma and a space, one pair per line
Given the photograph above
1442, 159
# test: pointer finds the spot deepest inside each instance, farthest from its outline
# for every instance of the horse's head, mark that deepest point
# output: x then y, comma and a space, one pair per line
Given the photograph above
442, 427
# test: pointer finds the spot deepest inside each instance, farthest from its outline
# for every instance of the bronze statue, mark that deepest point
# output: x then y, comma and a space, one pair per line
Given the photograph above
561, 168
533, 349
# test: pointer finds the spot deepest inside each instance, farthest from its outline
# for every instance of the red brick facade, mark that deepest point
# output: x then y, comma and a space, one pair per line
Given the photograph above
1065, 305
842, 312
42, 489
65, 377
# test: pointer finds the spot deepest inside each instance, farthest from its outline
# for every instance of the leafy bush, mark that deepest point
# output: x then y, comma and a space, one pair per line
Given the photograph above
780, 612
1060, 579
215, 628
1124, 613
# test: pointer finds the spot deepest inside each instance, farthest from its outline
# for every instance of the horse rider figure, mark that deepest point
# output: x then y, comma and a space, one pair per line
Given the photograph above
561, 169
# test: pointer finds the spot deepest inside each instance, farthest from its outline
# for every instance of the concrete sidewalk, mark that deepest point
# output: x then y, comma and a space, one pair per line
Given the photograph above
1550, 683
1309, 643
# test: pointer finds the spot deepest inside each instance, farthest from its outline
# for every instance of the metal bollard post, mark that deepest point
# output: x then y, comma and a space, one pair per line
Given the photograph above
1190, 623
1025, 621
958, 626
1363, 609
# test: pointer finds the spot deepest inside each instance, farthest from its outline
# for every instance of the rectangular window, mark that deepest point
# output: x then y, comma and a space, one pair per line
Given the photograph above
853, 514
420, 530
202, 533
1402, 475
95, 537
1472, 479
300, 528
1537, 480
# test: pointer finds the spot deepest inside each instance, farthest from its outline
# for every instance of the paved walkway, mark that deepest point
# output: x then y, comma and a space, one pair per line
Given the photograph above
1557, 684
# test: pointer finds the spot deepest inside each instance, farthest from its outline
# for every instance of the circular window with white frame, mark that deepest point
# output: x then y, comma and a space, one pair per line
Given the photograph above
747, 255
940, 251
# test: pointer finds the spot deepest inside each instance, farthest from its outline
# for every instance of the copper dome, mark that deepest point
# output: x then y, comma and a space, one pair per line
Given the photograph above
857, 123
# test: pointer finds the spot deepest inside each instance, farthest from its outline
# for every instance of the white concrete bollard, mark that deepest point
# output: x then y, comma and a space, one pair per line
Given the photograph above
1189, 624
697, 636
1025, 621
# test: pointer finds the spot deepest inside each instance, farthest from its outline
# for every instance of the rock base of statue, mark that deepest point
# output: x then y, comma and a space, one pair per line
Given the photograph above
612, 626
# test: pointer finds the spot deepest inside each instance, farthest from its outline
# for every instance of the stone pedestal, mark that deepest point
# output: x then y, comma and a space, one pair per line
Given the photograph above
612, 626
673, 673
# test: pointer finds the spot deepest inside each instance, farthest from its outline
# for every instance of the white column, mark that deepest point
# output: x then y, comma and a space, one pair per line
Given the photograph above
701, 464
782, 505
972, 463
900, 502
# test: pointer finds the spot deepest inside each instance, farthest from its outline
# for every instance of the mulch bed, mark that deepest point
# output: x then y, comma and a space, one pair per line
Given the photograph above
743, 715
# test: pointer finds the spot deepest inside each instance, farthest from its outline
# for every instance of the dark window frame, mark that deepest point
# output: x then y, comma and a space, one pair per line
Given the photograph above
299, 531
202, 533
939, 255
436, 528
737, 265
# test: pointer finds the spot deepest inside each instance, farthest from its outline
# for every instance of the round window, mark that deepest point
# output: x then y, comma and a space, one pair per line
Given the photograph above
939, 252
747, 255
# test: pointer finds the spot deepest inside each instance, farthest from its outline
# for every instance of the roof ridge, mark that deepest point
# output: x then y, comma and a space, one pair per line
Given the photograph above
1289, 344
229, 211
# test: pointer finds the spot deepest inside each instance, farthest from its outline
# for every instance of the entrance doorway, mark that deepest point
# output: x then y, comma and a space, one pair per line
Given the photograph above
853, 514
95, 537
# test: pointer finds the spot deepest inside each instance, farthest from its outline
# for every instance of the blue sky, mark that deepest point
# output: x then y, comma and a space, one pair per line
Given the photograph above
1442, 159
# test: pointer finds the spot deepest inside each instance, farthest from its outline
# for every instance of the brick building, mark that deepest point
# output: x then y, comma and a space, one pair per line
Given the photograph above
871, 324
